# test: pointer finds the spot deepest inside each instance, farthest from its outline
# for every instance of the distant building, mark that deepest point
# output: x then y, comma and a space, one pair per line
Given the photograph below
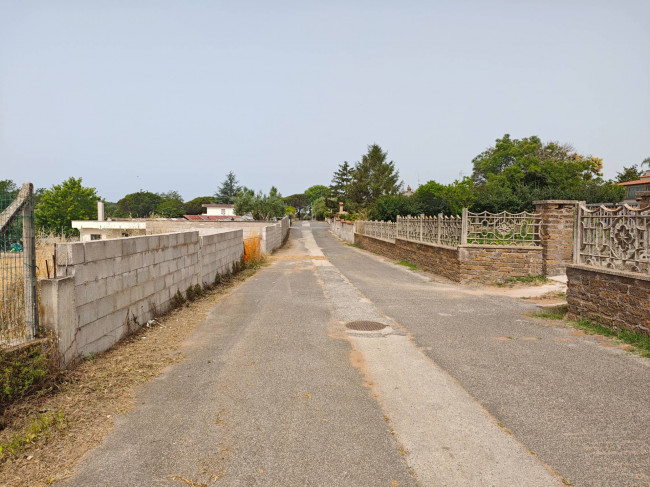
637, 191
215, 213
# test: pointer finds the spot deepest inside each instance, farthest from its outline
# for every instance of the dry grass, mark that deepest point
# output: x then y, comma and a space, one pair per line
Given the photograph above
88, 397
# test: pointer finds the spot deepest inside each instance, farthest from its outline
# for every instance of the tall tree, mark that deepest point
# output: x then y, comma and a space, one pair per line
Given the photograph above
228, 190
171, 205
631, 173
138, 205
298, 201
63, 203
195, 206
260, 205
340, 186
373, 177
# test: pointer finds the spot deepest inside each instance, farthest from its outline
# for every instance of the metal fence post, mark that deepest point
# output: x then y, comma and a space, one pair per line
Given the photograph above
464, 226
29, 261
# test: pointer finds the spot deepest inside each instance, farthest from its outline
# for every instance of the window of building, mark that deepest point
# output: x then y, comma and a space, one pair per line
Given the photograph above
223, 211
95, 236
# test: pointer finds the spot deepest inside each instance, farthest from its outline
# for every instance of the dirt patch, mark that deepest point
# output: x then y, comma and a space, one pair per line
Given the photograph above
62, 426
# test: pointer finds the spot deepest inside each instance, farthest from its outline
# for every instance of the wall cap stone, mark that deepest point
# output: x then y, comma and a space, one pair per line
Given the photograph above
557, 202
612, 272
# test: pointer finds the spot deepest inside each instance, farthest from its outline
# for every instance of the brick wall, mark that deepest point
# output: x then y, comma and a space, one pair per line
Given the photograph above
613, 298
438, 259
488, 264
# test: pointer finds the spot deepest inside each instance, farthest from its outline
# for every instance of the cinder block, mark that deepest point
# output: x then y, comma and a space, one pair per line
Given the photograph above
128, 246
70, 253
141, 244
87, 313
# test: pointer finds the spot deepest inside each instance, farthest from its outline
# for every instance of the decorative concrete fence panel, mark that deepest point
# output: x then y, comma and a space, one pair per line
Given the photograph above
610, 279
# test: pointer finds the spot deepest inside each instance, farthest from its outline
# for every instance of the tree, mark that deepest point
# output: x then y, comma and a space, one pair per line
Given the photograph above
138, 205
389, 207
514, 173
631, 173
261, 206
449, 199
319, 209
171, 205
646, 162
228, 190
63, 203
297, 201
195, 206
341, 182
314, 192
373, 177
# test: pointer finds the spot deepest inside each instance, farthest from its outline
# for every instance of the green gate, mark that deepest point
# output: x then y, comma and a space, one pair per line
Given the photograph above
18, 293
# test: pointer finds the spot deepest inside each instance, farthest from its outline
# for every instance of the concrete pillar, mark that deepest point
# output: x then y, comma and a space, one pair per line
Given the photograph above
59, 315
556, 232
100, 211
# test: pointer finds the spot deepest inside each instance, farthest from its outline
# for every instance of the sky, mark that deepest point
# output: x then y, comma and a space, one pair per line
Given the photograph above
171, 95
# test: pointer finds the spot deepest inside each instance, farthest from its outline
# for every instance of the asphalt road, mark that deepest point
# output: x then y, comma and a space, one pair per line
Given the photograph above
459, 388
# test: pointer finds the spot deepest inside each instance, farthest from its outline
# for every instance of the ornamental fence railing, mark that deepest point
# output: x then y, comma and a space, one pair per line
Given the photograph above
520, 229
613, 238
18, 293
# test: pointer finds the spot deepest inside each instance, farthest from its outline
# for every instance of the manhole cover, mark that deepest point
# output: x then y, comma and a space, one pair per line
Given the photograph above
365, 326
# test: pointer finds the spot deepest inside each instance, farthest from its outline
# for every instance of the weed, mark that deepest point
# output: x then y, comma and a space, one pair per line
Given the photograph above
511, 281
178, 300
638, 340
24, 371
407, 264
40, 426
355, 245
557, 313
194, 292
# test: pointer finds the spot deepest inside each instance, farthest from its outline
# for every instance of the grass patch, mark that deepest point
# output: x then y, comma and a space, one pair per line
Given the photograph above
557, 313
511, 281
406, 263
639, 341
355, 245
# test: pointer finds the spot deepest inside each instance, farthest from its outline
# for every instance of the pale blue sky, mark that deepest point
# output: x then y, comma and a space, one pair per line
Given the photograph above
161, 95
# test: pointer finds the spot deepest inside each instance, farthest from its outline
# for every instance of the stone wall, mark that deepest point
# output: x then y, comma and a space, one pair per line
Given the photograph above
467, 263
614, 298
108, 288
438, 259
556, 232
493, 263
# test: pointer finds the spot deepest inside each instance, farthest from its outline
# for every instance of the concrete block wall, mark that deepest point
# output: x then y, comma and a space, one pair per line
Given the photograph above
343, 229
120, 284
220, 253
613, 298
274, 235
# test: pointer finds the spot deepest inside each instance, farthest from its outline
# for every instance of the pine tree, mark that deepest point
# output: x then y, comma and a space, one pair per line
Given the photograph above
228, 190
373, 177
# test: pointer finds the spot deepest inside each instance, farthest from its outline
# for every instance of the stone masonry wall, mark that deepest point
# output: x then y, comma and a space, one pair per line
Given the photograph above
376, 245
438, 259
221, 253
613, 298
489, 264
556, 232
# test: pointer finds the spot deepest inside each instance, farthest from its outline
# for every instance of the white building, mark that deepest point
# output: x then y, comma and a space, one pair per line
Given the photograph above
219, 210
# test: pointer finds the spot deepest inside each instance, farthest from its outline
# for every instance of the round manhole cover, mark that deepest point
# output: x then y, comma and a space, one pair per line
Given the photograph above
365, 326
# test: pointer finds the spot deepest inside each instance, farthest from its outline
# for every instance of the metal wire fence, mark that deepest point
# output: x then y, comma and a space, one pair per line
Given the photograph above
18, 293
